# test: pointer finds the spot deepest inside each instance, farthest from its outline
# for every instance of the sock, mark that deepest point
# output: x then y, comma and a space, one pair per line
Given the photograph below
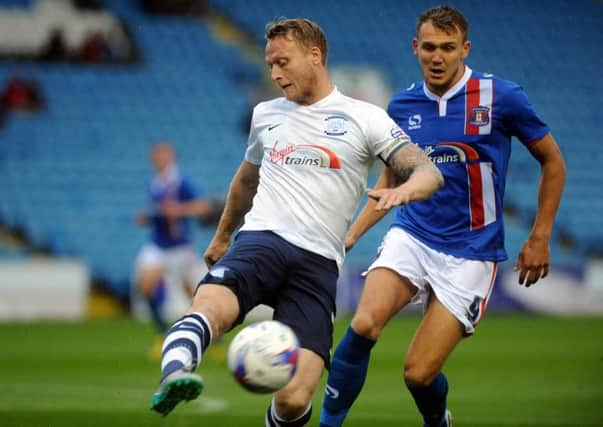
155, 305
431, 401
346, 377
273, 420
184, 344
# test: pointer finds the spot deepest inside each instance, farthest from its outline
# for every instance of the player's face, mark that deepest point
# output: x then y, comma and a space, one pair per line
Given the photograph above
441, 56
292, 69
162, 157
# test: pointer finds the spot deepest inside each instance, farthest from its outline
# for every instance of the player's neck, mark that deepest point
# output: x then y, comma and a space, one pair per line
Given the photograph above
323, 88
440, 91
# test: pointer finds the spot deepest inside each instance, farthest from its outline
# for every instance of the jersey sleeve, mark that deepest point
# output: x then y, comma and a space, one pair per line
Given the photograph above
385, 137
188, 191
523, 122
255, 149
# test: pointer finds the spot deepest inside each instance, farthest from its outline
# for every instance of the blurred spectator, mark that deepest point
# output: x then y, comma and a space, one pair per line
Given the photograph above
95, 50
55, 49
93, 5
21, 94
174, 7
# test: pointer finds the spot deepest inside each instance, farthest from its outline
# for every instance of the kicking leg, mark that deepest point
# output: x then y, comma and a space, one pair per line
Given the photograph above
385, 293
292, 406
436, 337
214, 309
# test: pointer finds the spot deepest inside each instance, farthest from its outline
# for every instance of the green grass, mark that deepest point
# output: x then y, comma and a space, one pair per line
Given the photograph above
516, 371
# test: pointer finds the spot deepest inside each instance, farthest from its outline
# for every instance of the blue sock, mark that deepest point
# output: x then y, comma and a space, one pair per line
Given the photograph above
346, 377
431, 400
155, 305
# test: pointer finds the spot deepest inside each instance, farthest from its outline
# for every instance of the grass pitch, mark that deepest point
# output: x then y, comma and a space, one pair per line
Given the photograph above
516, 371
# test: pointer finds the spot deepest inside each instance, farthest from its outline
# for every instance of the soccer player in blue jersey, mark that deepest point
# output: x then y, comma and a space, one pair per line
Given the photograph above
174, 205
295, 194
443, 251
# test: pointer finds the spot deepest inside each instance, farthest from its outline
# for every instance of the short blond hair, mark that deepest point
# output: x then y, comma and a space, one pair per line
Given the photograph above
307, 33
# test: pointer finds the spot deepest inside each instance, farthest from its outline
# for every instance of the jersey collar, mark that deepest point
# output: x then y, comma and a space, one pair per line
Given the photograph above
450, 92
333, 94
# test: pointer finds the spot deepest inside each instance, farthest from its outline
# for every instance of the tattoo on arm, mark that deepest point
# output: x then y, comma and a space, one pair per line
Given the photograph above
410, 158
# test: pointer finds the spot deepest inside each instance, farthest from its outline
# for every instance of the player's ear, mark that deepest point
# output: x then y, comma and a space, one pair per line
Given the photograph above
466, 49
315, 55
415, 46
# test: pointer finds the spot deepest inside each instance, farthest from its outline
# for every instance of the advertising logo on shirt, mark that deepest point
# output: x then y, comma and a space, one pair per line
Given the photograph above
304, 155
414, 122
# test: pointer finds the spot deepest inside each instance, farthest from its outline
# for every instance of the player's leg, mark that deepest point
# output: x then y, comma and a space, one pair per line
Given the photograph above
191, 270
393, 280
385, 293
214, 310
292, 405
438, 334
230, 289
307, 305
149, 283
460, 293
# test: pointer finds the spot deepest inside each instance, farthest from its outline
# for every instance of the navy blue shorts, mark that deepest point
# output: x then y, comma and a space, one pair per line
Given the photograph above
263, 268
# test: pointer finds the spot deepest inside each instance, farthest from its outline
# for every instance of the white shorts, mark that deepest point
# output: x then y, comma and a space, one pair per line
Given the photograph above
463, 286
180, 264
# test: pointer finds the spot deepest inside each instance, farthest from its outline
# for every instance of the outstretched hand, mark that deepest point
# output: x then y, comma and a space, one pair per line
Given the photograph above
216, 250
349, 243
533, 261
388, 198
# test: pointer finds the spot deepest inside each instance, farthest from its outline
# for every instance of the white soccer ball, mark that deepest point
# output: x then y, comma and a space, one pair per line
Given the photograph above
263, 356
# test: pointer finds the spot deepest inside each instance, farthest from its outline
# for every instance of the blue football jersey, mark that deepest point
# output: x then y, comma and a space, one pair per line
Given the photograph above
467, 134
168, 233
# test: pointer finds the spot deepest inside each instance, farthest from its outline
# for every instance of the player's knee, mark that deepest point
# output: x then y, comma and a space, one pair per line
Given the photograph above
218, 305
418, 374
291, 404
147, 288
218, 324
366, 324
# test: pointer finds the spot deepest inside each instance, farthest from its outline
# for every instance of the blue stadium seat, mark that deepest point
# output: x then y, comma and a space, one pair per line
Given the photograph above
74, 175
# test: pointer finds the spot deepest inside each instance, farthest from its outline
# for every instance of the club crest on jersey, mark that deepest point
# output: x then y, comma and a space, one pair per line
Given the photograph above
335, 126
304, 155
479, 116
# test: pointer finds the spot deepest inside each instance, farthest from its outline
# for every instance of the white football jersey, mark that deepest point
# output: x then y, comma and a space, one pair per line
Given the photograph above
314, 166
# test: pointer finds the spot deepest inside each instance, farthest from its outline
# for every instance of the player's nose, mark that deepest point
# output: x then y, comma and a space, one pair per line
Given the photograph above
437, 58
276, 74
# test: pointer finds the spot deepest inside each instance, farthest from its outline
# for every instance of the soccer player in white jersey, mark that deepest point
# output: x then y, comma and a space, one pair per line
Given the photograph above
443, 251
295, 194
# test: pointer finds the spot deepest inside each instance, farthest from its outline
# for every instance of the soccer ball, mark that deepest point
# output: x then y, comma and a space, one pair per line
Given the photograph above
263, 356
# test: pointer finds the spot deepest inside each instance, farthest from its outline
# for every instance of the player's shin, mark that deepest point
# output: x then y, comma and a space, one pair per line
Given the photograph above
431, 400
184, 344
156, 302
346, 377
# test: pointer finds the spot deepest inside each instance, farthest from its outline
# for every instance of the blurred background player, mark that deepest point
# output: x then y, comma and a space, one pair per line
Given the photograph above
444, 251
168, 262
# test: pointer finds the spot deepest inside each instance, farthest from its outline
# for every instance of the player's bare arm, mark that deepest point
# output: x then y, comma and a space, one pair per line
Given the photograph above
534, 258
238, 202
173, 209
369, 216
420, 179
